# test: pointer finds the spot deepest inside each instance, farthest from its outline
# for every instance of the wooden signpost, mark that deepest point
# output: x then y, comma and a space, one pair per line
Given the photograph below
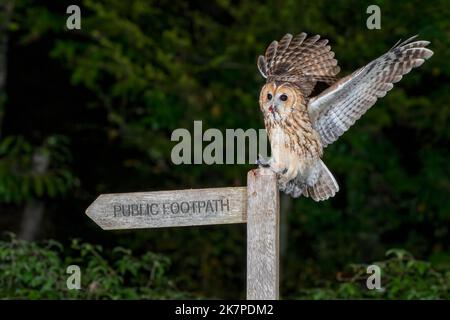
257, 205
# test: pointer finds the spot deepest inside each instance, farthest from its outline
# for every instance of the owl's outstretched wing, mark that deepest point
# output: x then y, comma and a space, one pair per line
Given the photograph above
299, 60
336, 109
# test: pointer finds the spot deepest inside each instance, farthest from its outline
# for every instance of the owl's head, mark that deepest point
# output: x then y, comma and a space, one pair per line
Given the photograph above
278, 101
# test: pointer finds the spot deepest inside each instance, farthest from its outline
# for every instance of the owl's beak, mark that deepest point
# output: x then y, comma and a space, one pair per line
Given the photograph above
273, 109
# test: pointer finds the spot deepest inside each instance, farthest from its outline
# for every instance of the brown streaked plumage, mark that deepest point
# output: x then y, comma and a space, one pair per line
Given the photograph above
299, 127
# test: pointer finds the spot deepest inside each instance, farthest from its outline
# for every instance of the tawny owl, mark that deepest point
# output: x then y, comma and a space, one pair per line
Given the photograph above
300, 126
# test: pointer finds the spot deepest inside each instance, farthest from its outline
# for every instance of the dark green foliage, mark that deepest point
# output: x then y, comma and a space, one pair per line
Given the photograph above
29, 270
21, 178
402, 277
38, 271
139, 69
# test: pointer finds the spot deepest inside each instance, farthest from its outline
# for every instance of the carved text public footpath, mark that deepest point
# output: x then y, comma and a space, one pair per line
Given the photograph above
172, 208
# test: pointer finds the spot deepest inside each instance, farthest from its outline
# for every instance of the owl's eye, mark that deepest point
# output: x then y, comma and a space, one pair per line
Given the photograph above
283, 97
269, 96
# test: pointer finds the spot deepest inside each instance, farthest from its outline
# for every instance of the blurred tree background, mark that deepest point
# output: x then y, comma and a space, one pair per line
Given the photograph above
91, 111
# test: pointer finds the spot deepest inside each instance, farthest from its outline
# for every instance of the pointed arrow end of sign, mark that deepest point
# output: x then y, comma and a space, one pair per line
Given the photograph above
90, 211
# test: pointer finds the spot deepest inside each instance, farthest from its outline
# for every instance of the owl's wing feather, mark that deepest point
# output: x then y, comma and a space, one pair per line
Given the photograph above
337, 108
300, 60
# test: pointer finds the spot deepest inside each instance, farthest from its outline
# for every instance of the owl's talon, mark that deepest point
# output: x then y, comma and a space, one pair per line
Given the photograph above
262, 162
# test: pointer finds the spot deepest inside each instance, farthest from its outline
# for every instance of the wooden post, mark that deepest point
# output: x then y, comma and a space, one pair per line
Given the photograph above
263, 220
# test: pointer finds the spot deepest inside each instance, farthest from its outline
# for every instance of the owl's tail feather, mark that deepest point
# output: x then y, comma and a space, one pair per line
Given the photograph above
325, 187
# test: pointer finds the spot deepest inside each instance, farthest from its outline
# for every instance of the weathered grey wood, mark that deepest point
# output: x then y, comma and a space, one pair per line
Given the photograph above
170, 208
263, 219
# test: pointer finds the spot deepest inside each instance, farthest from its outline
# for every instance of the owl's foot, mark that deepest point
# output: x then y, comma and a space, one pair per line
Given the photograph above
263, 162
270, 163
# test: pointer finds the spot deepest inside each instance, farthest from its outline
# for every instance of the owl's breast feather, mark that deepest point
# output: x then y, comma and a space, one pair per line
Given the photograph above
294, 151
